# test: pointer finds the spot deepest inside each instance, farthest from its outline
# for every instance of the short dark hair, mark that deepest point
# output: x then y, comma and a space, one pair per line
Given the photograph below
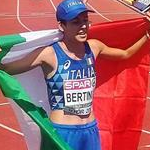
63, 22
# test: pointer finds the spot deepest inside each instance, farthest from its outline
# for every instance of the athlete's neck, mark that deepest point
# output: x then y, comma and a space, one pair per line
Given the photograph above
73, 46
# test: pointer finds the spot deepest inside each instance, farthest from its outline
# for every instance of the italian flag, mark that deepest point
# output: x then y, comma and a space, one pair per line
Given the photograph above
120, 99
19, 87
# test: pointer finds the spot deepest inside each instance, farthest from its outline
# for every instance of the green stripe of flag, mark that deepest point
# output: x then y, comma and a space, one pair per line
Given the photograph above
11, 88
8, 41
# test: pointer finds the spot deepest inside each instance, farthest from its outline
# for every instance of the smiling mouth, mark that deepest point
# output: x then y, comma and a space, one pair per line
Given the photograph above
82, 33
83, 36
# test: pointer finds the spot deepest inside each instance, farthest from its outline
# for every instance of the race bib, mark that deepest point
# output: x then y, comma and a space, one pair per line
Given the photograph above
78, 95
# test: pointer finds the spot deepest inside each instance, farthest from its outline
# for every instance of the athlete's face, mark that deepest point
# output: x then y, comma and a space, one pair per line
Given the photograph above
77, 28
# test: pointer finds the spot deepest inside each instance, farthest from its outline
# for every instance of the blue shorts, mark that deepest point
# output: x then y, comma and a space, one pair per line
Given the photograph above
80, 137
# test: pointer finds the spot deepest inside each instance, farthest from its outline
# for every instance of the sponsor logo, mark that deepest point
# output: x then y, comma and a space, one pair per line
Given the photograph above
67, 64
80, 84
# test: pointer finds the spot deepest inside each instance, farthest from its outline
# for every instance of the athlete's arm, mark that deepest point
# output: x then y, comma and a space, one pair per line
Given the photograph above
115, 53
29, 62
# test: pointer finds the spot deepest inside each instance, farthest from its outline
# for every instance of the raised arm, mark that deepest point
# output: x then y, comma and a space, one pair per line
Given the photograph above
115, 53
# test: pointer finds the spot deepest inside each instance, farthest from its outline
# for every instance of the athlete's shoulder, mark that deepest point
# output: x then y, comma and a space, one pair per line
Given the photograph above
47, 49
43, 54
94, 42
96, 46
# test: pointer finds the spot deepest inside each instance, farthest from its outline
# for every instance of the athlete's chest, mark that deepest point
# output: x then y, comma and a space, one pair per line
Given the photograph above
80, 69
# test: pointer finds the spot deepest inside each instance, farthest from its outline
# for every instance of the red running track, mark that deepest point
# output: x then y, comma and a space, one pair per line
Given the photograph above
19, 16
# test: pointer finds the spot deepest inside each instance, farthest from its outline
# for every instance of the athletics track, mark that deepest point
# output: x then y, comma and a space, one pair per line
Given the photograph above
30, 15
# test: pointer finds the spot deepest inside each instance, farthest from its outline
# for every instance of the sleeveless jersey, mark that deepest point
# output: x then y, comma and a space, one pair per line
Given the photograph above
71, 87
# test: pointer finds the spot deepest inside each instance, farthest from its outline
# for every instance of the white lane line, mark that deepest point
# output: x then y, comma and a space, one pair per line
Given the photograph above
147, 132
10, 129
18, 17
2, 104
98, 12
53, 4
